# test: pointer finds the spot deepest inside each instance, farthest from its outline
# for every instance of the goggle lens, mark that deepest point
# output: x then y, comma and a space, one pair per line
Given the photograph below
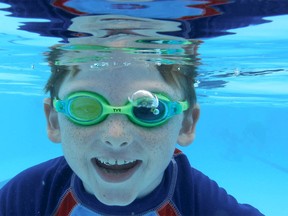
85, 108
149, 115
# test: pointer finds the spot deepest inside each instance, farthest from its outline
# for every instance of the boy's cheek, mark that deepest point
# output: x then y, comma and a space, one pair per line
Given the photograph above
69, 131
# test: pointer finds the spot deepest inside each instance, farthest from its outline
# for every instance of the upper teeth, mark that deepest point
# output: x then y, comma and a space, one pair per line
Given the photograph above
115, 161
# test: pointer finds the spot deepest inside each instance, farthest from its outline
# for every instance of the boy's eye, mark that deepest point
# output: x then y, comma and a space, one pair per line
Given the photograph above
149, 114
85, 108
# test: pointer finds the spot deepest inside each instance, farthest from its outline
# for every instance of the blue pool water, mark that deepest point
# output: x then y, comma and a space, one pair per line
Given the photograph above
241, 86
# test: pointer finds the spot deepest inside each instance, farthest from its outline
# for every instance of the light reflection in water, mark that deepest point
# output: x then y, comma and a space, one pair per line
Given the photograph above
139, 37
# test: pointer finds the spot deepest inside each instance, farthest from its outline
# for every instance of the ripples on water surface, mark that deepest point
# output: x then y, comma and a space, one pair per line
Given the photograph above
240, 49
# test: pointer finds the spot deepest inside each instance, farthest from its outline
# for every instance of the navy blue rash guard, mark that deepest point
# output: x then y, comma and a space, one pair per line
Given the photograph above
51, 188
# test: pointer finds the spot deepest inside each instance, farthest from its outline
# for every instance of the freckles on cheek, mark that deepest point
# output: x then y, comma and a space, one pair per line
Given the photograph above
69, 130
159, 141
72, 137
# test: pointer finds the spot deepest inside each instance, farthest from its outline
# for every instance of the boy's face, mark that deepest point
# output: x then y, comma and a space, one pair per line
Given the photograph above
147, 151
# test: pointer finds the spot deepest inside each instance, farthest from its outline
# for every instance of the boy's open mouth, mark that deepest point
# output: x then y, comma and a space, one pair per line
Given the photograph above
115, 170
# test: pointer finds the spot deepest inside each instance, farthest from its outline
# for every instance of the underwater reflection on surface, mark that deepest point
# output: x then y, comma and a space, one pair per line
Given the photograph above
139, 37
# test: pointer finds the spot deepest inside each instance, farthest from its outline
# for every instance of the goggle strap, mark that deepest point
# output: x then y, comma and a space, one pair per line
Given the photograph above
177, 107
184, 105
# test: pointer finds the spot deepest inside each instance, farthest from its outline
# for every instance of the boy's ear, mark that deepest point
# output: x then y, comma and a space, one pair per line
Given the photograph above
187, 132
53, 129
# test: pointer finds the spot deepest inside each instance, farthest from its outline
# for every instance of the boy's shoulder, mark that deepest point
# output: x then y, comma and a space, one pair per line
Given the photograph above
196, 194
37, 183
41, 173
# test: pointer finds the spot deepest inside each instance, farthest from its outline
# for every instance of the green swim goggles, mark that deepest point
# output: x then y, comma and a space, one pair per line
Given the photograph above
143, 108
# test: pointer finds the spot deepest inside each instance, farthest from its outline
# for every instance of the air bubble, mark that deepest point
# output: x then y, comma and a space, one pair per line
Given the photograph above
109, 64
158, 63
196, 84
236, 72
143, 98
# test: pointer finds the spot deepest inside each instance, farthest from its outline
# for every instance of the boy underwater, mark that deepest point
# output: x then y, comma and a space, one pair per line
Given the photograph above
118, 122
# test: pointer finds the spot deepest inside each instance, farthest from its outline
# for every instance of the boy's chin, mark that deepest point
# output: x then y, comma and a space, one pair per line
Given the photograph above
116, 200
113, 196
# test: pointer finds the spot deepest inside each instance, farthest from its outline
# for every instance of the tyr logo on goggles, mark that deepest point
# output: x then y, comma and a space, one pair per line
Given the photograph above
143, 108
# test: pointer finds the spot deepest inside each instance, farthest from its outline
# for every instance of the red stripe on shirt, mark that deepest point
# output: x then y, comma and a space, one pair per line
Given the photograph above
167, 210
67, 204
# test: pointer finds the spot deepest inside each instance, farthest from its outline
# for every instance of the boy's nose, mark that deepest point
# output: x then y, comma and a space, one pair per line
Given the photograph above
115, 143
116, 132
